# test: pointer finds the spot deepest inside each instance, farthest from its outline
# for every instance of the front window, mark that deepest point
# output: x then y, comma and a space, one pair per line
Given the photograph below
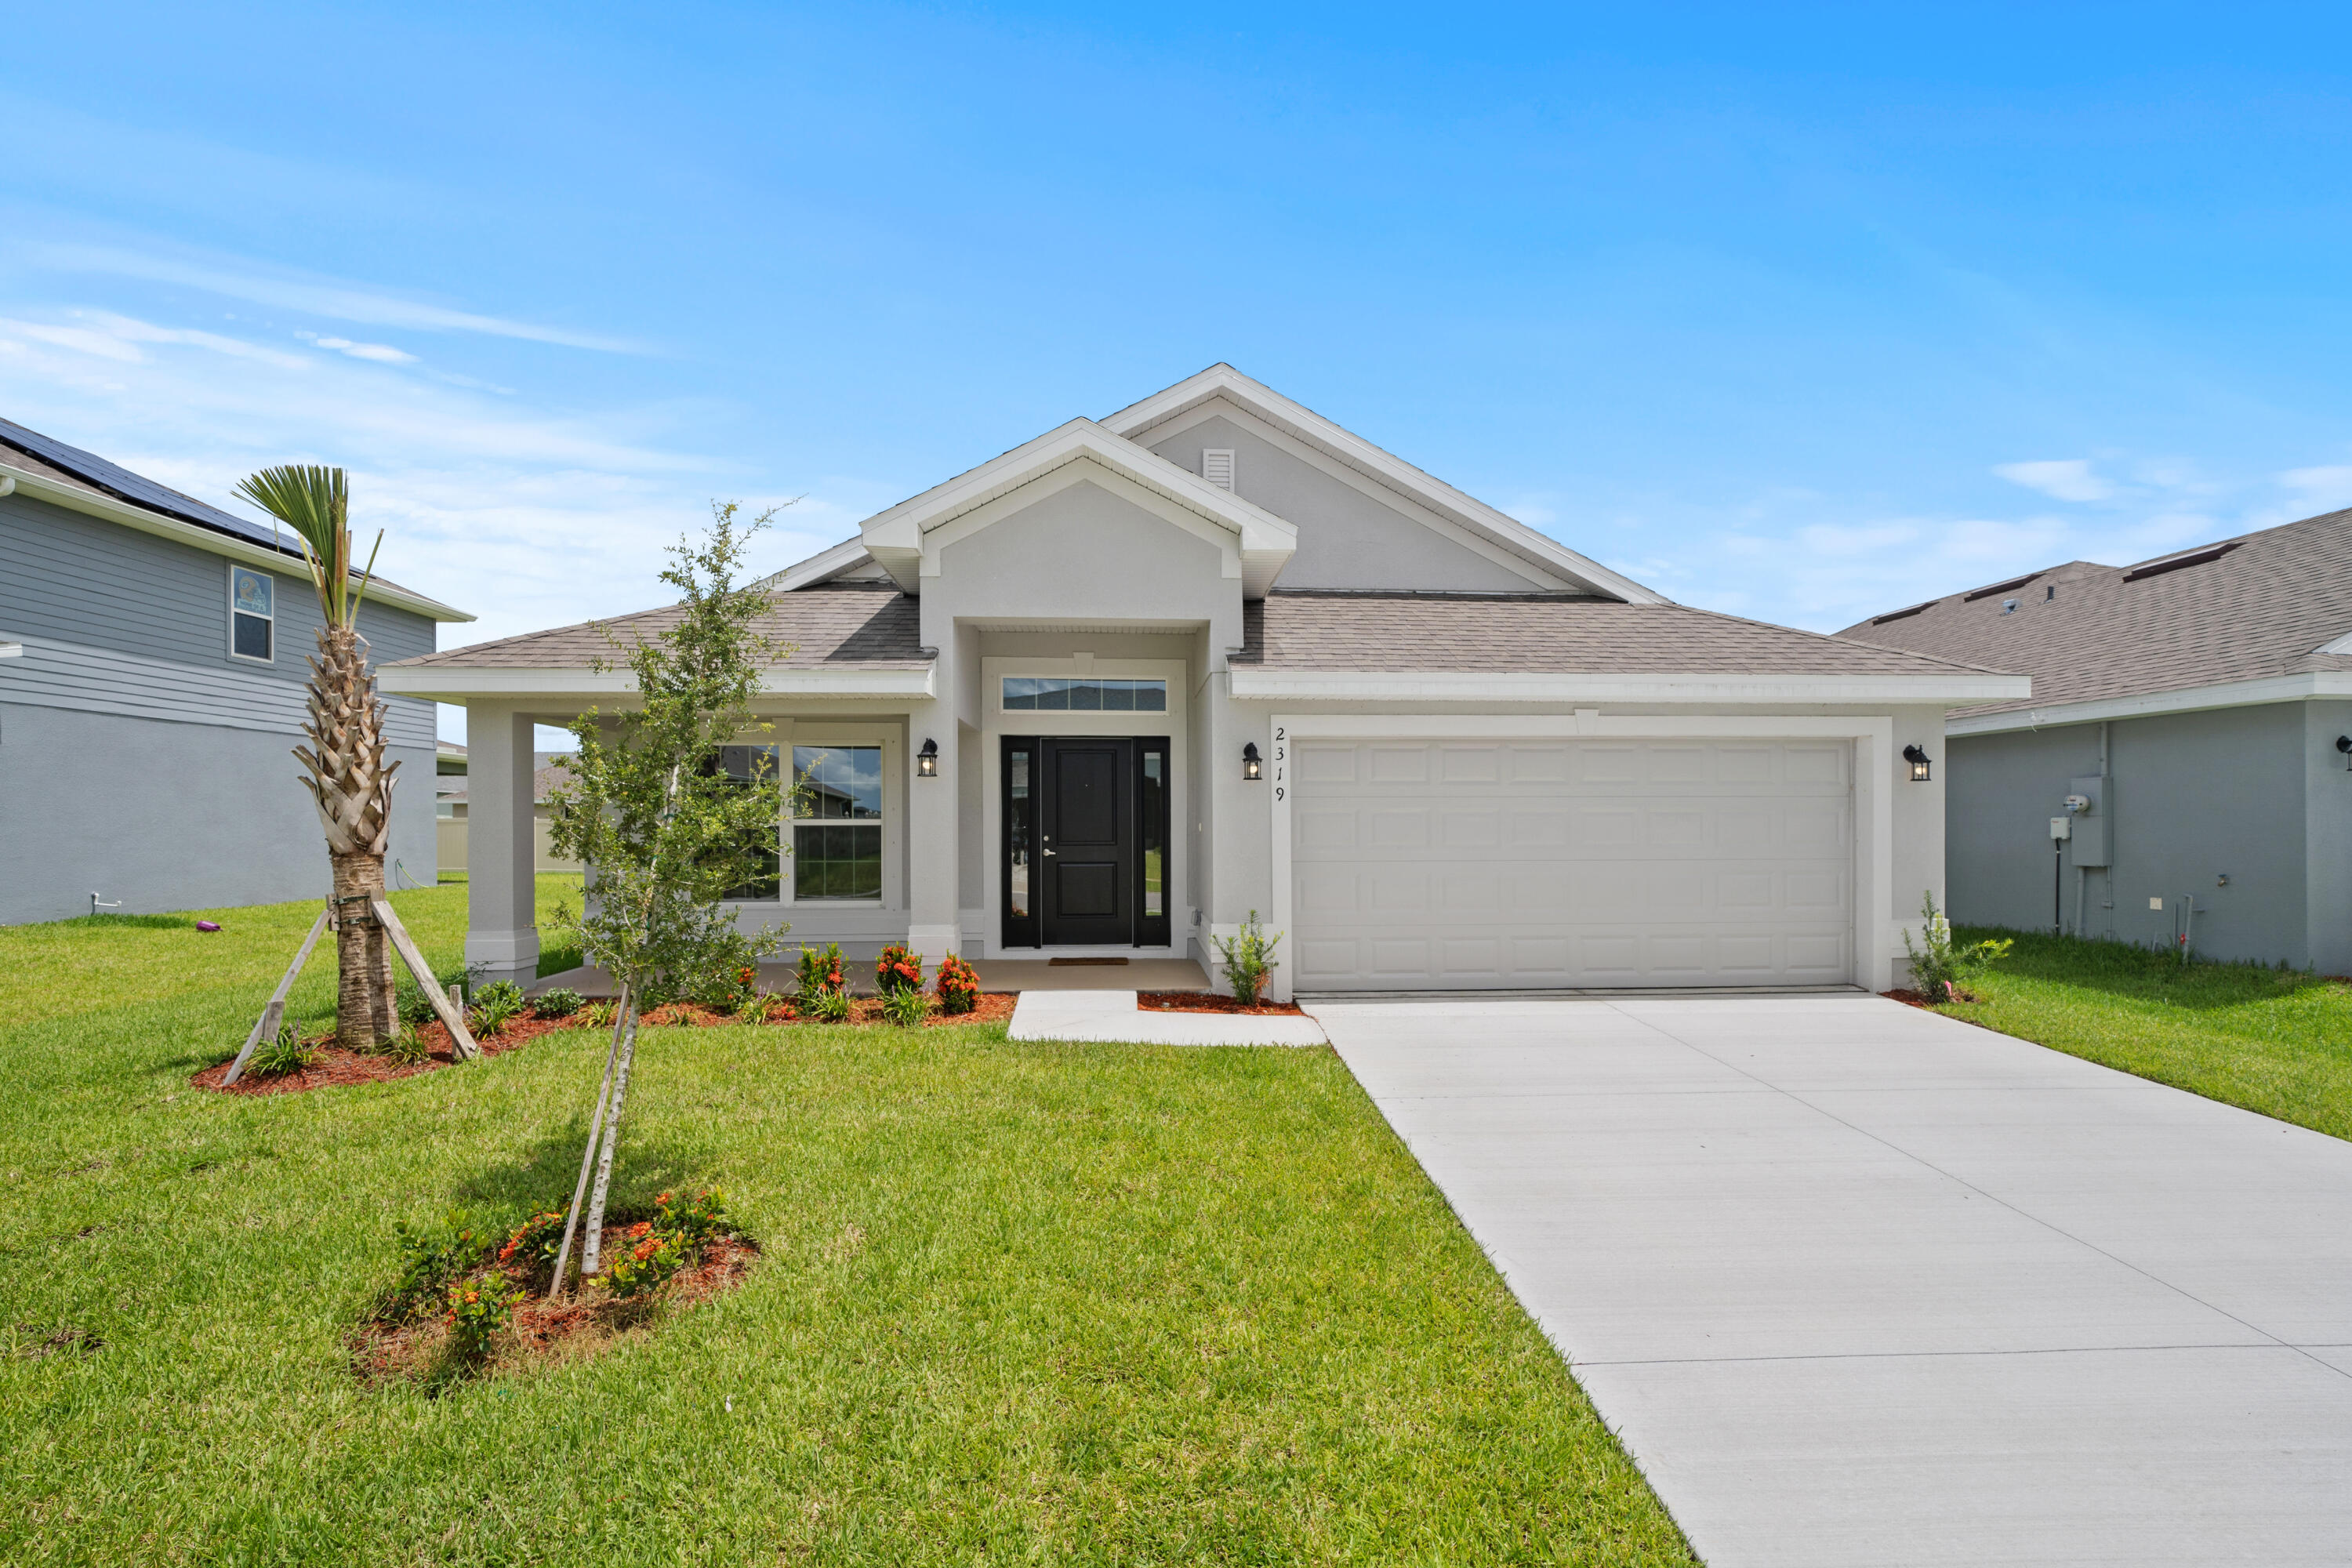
1083, 694
836, 823
252, 619
746, 767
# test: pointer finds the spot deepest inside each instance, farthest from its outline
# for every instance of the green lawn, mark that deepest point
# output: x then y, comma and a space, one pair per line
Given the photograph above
2276, 1041
1093, 1304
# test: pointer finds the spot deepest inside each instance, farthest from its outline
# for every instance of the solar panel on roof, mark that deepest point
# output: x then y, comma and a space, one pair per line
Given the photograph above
123, 484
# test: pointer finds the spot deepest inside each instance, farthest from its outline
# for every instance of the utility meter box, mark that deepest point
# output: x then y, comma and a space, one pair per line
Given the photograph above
2061, 828
2090, 841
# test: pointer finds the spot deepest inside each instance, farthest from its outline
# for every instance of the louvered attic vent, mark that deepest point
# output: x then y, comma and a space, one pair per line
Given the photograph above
1217, 467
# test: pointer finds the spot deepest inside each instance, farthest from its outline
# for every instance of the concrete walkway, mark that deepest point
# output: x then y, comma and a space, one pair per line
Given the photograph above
1859, 1284
1112, 1015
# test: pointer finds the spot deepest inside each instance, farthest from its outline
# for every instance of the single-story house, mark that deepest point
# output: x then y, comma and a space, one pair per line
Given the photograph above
453, 802
153, 662
1110, 692
2189, 733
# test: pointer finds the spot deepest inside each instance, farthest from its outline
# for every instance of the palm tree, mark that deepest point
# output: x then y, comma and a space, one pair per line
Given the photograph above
348, 778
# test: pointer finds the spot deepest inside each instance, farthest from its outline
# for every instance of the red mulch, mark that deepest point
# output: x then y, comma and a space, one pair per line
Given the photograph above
580, 1324
1206, 1002
337, 1066
1919, 999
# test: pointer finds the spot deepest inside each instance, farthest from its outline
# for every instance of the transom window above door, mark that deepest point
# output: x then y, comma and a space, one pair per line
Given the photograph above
836, 822
1083, 694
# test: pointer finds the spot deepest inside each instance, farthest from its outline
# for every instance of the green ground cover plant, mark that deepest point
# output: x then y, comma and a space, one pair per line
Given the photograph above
2273, 1040
1017, 1304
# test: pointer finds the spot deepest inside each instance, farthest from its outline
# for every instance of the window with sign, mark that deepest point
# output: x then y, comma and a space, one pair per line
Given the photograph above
252, 614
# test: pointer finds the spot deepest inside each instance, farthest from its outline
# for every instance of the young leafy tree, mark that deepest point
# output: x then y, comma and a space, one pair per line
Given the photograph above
667, 834
349, 780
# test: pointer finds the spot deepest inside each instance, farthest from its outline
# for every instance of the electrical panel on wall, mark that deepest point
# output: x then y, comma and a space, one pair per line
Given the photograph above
2089, 844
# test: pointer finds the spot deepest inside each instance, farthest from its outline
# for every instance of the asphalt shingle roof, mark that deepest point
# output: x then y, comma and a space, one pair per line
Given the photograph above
870, 625
1543, 632
2260, 608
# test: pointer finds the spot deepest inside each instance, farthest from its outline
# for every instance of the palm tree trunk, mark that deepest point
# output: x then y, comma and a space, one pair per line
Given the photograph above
352, 789
365, 1005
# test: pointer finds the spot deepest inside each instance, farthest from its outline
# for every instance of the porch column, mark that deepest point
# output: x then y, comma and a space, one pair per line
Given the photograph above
501, 929
933, 868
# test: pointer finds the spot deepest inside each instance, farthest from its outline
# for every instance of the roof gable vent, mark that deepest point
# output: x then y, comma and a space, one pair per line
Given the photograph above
1217, 466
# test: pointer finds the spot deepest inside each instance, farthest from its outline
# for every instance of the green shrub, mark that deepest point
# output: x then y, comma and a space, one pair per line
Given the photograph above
494, 1005
560, 1003
479, 1310
820, 972
829, 1007
405, 1048
531, 1251
906, 1007
431, 1257
651, 1258
1938, 967
693, 1219
897, 969
1249, 959
285, 1054
958, 986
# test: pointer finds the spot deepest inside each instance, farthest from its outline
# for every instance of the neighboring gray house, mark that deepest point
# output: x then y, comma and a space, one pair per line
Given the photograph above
2198, 705
1111, 691
152, 667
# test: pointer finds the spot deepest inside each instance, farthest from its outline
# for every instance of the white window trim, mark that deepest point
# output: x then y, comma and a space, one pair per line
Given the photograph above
228, 625
1876, 935
996, 723
789, 733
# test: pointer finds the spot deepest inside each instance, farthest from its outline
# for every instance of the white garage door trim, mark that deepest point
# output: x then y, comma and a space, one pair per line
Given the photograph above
1873, 814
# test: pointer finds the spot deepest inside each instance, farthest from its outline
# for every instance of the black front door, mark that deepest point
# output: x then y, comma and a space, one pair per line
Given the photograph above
1087, 854
1086, 838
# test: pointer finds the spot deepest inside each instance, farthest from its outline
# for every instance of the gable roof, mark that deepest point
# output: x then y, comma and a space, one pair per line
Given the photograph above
1221, 381
896, 538
1320, 641
48, 470
2254, 615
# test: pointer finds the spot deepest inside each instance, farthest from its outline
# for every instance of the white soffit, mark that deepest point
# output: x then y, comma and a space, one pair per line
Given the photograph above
894, 538
1601, 686
1137, 421
2147, 704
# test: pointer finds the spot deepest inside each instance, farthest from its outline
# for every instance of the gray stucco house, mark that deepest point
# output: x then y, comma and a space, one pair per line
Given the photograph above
151, 666
2197, 707
1109, 692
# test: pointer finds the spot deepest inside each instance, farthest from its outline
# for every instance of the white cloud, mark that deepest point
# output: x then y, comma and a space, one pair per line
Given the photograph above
2067, 479
332, 298
381, 353
2326, 486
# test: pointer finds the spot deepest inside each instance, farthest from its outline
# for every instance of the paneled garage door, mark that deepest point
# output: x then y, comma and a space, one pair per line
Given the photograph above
1509, 863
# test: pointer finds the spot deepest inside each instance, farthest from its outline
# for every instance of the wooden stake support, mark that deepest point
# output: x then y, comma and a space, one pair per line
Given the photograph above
405, 945
274, 1015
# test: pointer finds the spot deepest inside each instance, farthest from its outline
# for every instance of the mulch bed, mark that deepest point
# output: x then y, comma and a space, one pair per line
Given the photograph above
1207, 1001
337, 1066
542, 1331
1919, 999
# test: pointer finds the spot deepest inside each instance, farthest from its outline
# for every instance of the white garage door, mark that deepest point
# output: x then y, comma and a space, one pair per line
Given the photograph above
1510, 864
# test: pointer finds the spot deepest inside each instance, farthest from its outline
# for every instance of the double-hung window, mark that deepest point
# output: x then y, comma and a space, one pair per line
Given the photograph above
252, 617
836, 806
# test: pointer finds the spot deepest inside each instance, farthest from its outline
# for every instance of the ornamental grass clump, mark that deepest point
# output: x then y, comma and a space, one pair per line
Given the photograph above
958, 986
288, 1053
897, 969
906, 1007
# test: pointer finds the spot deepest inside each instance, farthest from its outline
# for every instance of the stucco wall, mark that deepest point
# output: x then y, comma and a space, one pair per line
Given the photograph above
2190, 798
166, 816
2328, 819
1346, 539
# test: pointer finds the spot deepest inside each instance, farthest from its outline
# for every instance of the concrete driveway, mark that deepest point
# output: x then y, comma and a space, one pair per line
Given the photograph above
1858, 1284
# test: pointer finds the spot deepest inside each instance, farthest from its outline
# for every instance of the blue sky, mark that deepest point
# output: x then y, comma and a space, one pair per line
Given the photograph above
1797, 312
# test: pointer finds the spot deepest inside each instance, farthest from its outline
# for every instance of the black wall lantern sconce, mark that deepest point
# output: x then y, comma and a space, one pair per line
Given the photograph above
2344, 744
1916, 755
927, 761
1250, 767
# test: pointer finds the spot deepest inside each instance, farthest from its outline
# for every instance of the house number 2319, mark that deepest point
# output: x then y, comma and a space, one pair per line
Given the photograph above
1280, 751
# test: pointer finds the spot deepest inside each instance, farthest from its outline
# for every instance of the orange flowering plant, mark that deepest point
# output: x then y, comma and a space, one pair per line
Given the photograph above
479, 1310
897, 969
958, 986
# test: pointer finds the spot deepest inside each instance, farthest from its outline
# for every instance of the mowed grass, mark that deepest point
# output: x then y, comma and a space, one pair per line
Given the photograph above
2275, 1041
1020, 1303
